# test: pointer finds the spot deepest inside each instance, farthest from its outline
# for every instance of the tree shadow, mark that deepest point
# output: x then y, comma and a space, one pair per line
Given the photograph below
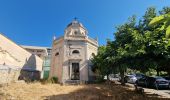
168, 92
103, 92
28, 71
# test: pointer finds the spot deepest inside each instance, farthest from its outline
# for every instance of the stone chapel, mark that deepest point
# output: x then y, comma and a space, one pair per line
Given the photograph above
71, 54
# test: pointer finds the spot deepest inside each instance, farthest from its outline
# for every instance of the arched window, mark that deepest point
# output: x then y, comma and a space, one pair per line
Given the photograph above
57, 54
75, 32
93, 54
75, 52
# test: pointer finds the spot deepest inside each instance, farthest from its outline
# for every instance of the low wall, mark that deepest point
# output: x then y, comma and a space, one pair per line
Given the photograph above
9, 75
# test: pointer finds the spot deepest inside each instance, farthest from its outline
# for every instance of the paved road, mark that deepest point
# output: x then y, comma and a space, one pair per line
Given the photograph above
162, 93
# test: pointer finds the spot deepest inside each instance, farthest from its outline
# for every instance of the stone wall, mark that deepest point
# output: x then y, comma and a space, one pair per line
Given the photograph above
9, 75
57, 59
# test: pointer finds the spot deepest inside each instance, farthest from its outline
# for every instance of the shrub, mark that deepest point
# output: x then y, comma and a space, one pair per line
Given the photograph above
51, 80
54, 80
99, 79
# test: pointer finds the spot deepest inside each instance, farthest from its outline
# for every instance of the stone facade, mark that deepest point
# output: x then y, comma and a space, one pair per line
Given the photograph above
71, 54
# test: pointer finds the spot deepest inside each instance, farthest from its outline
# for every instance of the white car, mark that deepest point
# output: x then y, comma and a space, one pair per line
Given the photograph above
114, 77
130, 79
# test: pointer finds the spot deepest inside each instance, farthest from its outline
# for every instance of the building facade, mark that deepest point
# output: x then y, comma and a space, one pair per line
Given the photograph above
71, 54
42, 52
45, 54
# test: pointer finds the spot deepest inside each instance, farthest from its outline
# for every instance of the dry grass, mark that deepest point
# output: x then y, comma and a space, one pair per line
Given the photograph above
37, 91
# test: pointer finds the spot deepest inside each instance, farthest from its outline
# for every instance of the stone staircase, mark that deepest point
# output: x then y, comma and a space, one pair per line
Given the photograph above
72, 82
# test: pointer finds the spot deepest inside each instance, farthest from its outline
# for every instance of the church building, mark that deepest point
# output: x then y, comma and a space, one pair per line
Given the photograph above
71, 54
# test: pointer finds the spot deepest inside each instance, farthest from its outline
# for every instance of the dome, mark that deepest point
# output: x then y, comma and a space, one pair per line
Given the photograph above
75, 23
75, 28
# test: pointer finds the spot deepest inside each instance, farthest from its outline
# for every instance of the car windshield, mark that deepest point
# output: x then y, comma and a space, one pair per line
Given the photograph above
159, 77
139, 75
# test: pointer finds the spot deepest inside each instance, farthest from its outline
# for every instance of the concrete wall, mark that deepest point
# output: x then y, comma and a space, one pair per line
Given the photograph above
14, 55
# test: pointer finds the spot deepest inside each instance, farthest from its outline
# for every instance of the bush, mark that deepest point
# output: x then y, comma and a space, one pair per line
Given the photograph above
99, 79
52, 80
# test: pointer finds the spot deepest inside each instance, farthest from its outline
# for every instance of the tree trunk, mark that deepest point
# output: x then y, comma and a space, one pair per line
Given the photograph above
157, 70
107, 77
122, 74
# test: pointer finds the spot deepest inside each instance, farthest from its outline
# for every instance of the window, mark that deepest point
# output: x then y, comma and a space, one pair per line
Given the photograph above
75, 52
93, 54
75, 32
57, 54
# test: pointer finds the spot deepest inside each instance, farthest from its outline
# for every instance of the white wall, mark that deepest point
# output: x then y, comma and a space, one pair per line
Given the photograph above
14, 55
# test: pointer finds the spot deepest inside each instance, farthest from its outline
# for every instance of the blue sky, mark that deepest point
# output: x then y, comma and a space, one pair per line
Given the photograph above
35, 22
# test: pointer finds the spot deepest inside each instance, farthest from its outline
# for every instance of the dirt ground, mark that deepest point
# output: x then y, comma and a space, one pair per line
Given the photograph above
38, 91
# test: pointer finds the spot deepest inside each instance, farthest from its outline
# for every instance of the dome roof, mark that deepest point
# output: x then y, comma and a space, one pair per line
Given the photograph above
75, 23
75, 28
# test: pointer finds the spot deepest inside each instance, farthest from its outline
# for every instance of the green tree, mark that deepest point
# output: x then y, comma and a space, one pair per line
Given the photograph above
142, 46
161, 25
164, 21
100, 63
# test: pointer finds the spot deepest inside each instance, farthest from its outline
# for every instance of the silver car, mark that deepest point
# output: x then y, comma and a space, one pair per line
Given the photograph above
130, 79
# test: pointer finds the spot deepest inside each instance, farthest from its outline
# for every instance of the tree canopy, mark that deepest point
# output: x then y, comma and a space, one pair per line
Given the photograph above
140, 45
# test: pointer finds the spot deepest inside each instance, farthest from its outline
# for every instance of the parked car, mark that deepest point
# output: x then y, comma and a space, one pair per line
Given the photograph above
139, 75
155, 82
167, 78
130, 79
114, 77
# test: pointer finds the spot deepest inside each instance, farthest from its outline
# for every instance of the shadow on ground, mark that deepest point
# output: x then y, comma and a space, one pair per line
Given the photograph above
168, 92
104, 92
